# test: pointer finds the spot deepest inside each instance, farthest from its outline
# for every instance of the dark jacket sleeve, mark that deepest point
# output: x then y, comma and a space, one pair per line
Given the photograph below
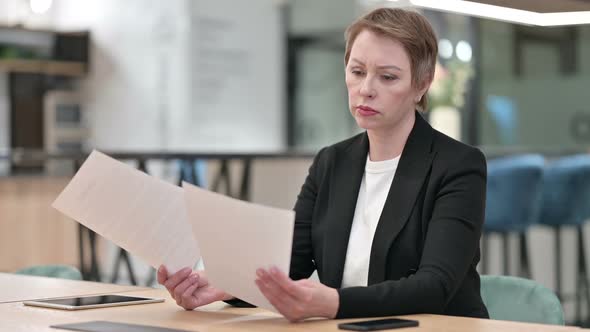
452, 240
302, 264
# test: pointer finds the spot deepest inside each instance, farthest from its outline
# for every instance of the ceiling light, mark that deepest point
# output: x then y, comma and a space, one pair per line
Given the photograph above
505, 14
463, 51
564, 18
40, 6
445, 48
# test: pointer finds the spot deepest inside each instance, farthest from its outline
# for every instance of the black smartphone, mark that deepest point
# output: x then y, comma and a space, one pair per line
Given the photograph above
378, 324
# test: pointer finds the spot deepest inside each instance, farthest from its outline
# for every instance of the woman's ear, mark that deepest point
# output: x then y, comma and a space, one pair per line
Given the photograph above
423, 88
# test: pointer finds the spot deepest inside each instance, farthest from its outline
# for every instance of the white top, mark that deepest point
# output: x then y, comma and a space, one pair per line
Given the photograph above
369, 205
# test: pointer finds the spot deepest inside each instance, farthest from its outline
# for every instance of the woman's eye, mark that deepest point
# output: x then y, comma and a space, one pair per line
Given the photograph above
357, 72
389, 77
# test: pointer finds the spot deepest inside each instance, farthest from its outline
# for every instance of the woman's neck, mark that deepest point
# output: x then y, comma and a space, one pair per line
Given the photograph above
385, 145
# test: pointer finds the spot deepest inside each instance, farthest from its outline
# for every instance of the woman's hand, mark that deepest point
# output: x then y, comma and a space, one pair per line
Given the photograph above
297, 300
190, 289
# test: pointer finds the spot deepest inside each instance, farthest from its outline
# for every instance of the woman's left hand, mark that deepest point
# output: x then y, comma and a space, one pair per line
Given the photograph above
297, 300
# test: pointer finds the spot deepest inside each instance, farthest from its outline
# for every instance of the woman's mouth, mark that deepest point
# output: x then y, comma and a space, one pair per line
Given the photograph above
366, 111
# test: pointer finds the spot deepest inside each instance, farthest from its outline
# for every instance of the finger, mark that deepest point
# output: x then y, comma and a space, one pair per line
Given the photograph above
271, 295
288, 285
162, 274
193, 279
188, 299
274, 292
177, 278
285, 305
307, 283
205, 295
268, 281
203, 281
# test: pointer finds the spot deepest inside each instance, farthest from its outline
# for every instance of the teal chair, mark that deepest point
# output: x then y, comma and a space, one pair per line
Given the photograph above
52, 271
520, 300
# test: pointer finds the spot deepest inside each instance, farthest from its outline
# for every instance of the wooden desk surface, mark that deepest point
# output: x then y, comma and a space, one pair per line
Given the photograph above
219, 317
20, 288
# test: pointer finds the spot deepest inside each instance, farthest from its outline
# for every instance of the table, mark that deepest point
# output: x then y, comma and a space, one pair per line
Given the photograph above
15, 288
216, 317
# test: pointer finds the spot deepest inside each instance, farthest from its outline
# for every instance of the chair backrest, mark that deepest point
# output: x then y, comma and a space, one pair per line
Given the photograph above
513, 192
521, 300
52, 271
566, 191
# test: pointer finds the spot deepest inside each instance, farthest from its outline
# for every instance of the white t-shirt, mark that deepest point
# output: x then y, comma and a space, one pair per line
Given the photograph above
372, 196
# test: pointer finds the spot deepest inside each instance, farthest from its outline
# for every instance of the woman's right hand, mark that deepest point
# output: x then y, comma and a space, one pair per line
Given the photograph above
190, 289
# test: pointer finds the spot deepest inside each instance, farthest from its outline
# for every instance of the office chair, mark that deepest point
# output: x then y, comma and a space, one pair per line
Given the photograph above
520, 300
512, 204
52, 271
566, 202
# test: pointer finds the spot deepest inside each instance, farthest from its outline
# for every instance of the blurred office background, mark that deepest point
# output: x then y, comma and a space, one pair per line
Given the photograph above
237, 96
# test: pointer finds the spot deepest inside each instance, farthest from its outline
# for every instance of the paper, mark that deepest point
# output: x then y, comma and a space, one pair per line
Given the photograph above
140, 213
236, 238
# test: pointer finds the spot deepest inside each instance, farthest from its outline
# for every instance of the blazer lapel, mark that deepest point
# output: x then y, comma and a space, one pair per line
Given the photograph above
346, 180
412, 169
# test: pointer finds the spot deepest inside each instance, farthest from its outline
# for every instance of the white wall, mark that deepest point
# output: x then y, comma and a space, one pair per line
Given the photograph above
14, 12
182, 74
137, 50
237, 77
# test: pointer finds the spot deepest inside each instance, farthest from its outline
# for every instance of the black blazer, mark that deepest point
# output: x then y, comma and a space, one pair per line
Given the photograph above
426, 245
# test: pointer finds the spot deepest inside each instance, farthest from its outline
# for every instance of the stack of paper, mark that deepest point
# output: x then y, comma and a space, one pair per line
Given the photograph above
236, 238
140, 213
148, 217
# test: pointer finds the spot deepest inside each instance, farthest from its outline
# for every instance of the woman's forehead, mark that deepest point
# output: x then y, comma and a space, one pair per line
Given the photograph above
374, 49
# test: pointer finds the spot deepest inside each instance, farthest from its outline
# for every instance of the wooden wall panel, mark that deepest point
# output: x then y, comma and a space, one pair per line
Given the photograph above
31, 231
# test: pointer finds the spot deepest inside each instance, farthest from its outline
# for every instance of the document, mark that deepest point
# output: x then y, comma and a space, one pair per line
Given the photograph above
236, 238
140, 213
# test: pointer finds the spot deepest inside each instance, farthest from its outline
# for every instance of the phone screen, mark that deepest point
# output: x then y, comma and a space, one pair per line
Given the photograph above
378, 324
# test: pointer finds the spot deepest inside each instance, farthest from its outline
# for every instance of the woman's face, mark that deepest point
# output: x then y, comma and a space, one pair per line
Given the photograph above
379, 82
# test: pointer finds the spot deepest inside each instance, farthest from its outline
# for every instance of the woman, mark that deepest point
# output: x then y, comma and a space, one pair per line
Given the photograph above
391, 218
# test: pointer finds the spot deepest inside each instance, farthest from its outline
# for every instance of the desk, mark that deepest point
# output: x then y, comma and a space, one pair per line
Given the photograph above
218, 317
15, 288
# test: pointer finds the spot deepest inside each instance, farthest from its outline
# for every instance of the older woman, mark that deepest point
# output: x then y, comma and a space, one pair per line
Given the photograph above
391, 218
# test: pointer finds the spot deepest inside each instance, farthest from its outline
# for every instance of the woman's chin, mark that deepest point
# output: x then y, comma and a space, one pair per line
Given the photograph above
365, 123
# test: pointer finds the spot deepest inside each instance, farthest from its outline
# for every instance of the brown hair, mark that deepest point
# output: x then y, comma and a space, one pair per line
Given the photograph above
409, 28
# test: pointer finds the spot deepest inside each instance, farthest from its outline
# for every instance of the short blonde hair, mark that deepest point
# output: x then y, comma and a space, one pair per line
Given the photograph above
409, 28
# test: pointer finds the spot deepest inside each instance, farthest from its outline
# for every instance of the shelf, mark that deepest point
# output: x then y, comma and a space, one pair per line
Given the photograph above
47, 67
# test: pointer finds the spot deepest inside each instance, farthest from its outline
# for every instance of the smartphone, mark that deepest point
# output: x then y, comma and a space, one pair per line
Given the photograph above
378, 324
89, 302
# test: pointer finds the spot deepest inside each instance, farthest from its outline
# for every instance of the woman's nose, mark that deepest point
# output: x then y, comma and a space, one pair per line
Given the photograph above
367, 89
